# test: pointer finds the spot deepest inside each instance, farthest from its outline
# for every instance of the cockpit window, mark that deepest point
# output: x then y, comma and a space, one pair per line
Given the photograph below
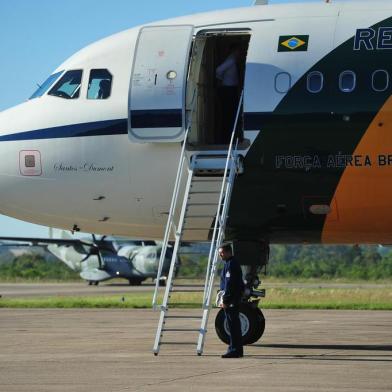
68, 86
45, 86
99, 84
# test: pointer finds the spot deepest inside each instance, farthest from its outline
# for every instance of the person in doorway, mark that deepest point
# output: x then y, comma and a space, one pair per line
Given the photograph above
227, 74
233, 286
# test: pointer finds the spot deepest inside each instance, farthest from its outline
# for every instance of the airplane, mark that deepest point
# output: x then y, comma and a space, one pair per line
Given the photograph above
315, 135
104, 258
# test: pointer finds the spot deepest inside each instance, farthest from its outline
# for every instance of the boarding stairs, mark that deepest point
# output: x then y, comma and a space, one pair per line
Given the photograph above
201, 194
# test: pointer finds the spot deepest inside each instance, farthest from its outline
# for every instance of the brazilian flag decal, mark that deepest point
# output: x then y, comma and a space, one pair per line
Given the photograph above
293, 43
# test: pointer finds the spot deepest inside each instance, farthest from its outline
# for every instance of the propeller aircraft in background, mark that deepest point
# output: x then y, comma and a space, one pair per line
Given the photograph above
98, 260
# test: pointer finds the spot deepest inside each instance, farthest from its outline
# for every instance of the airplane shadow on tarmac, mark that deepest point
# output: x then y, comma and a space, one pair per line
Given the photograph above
361, 347
326, 356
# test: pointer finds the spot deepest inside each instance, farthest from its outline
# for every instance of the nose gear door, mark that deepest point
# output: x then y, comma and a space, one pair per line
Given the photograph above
158, 82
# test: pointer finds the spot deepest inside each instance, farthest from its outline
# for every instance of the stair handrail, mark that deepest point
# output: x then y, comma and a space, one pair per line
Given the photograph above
227, 184
220, 231
230, 157
173, 203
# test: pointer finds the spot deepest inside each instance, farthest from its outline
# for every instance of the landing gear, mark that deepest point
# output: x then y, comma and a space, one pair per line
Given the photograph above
93, 282
252, 324
251, 317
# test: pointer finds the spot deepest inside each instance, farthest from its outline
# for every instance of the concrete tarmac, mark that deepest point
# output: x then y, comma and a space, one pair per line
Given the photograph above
43, 289
110, 351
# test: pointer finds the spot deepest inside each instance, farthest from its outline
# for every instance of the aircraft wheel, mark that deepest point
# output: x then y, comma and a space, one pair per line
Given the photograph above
96, 283
90, 282
252, 325
260, 326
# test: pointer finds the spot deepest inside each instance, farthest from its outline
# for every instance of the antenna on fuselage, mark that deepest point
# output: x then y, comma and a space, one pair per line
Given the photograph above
260, 2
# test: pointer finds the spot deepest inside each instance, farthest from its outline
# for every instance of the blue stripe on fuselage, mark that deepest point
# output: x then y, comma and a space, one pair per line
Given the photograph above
105, 128
97, 128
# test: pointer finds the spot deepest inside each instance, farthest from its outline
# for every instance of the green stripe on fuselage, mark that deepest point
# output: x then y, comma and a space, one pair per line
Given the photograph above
271, 199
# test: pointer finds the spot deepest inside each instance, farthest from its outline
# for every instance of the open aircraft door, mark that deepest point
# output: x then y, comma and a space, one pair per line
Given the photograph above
158, 82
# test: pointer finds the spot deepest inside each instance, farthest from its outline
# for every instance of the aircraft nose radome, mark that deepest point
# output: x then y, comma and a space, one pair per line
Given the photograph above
8, 122
24, 117
4, 122
13, 120
15, 163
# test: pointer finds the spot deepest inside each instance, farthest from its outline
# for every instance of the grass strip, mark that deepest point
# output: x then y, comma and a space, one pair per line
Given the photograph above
277, 298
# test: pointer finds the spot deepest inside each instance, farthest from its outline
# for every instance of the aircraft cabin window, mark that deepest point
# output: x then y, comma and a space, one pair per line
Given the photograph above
282, 82
68, 86
99, 84
45, 86
380, 80
347, 81
315, 82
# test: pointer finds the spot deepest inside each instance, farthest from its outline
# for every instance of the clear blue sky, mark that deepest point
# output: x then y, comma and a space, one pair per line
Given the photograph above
37, 35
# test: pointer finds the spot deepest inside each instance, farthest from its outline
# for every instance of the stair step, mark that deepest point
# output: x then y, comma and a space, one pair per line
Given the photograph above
202, 204
200, 216
197, 228
210, 162
180, 343
219, 181
193, 253
185, 317
204, 193
181, 329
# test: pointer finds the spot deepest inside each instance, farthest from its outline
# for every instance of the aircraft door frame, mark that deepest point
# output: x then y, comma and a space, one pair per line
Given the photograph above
156, 104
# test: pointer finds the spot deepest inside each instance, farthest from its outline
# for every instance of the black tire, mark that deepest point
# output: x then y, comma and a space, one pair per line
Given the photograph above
252, 325
258, 331
96, 283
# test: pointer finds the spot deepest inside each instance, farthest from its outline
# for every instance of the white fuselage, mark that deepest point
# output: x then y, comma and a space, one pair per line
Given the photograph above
77, 170
107, 183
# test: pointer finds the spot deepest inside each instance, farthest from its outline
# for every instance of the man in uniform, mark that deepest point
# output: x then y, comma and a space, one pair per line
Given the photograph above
232, 285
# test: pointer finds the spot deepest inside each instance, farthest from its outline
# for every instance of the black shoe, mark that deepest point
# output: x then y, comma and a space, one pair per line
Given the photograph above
232, 354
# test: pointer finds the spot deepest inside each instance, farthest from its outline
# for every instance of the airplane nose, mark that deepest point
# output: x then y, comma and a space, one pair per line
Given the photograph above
13, 126
16, 122
8, 123
41, 167
20, 160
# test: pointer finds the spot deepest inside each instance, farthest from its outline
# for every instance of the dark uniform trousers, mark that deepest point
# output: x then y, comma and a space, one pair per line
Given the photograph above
234, 325
232, 285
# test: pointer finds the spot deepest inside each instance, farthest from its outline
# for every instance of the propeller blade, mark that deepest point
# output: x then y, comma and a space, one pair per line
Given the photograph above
97, 251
